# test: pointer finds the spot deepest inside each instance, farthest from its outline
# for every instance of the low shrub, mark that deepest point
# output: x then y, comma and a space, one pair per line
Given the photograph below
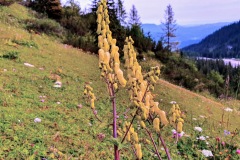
84, 42
25, 43
11, 55
46, 26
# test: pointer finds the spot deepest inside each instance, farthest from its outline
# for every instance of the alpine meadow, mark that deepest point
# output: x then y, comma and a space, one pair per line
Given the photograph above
92, 85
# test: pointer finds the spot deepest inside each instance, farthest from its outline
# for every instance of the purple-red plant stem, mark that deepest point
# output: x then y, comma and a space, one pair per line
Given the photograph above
150, 135
116, 152
149, 149
176, 135
165, 147
135, 114
130, 125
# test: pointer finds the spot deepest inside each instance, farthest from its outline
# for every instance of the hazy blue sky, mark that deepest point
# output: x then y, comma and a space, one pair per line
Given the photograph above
187, 12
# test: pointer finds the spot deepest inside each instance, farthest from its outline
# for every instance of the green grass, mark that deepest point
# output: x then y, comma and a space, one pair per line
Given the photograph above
65, 130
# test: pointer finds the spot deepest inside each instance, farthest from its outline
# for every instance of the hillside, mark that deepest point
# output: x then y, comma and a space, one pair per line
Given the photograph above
186, 35
42, 120
223, 43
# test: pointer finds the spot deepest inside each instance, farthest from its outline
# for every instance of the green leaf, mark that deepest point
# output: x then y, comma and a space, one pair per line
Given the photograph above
15, 138
117, 142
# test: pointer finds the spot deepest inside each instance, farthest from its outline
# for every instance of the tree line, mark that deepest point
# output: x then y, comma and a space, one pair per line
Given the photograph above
225, 76
80, 26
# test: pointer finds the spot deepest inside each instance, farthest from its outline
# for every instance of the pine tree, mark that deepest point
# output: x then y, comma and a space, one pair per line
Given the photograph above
94, 6
112, 11
169, 28
8, 2
134, 19
121, 12
51, 7
54, 9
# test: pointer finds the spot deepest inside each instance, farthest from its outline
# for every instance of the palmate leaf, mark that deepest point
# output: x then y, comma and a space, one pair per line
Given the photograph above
117, 142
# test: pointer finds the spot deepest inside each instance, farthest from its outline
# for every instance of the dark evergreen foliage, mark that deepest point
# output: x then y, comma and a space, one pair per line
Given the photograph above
8, 2
121, 12
169, 29
134, 19
210, 67
51, 7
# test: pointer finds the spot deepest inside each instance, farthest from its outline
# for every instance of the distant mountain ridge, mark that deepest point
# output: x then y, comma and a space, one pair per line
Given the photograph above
186, 35
223, 43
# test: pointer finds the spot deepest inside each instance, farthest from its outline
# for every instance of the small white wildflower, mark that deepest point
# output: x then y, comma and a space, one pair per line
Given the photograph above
202, 116
37, 120
57, 84
41, 68
58, 102
199, 129
174, 131
202, 138
28, 65
207, 153
181, 134
173, 102
228, 109
207, 136
194, 119
4, 70
90, 124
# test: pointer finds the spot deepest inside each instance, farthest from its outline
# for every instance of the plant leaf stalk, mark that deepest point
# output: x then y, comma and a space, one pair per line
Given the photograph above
164, 146
135, 115
156, 150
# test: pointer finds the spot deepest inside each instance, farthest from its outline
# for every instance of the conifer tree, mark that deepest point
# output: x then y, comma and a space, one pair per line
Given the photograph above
54, 9
51, 7
169, 28
8, 2
94, 6
134, 19
121, 12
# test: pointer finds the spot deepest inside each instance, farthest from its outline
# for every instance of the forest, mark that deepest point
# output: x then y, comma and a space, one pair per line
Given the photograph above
223, 43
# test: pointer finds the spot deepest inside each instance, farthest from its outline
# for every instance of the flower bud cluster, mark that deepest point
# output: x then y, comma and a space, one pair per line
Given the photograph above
132, 137
176, 118
109, 62
139, 86
90, 95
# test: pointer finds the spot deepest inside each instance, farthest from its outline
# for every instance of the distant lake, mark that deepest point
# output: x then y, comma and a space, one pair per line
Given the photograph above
234, 62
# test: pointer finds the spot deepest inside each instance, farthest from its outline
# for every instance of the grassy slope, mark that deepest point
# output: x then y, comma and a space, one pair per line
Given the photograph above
65, 126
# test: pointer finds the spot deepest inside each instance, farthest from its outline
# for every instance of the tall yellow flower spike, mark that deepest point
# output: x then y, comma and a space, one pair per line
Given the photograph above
108, 51
176, 118
90, 95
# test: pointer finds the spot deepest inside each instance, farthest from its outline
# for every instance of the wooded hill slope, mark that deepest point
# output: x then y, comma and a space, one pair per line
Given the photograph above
224, 43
